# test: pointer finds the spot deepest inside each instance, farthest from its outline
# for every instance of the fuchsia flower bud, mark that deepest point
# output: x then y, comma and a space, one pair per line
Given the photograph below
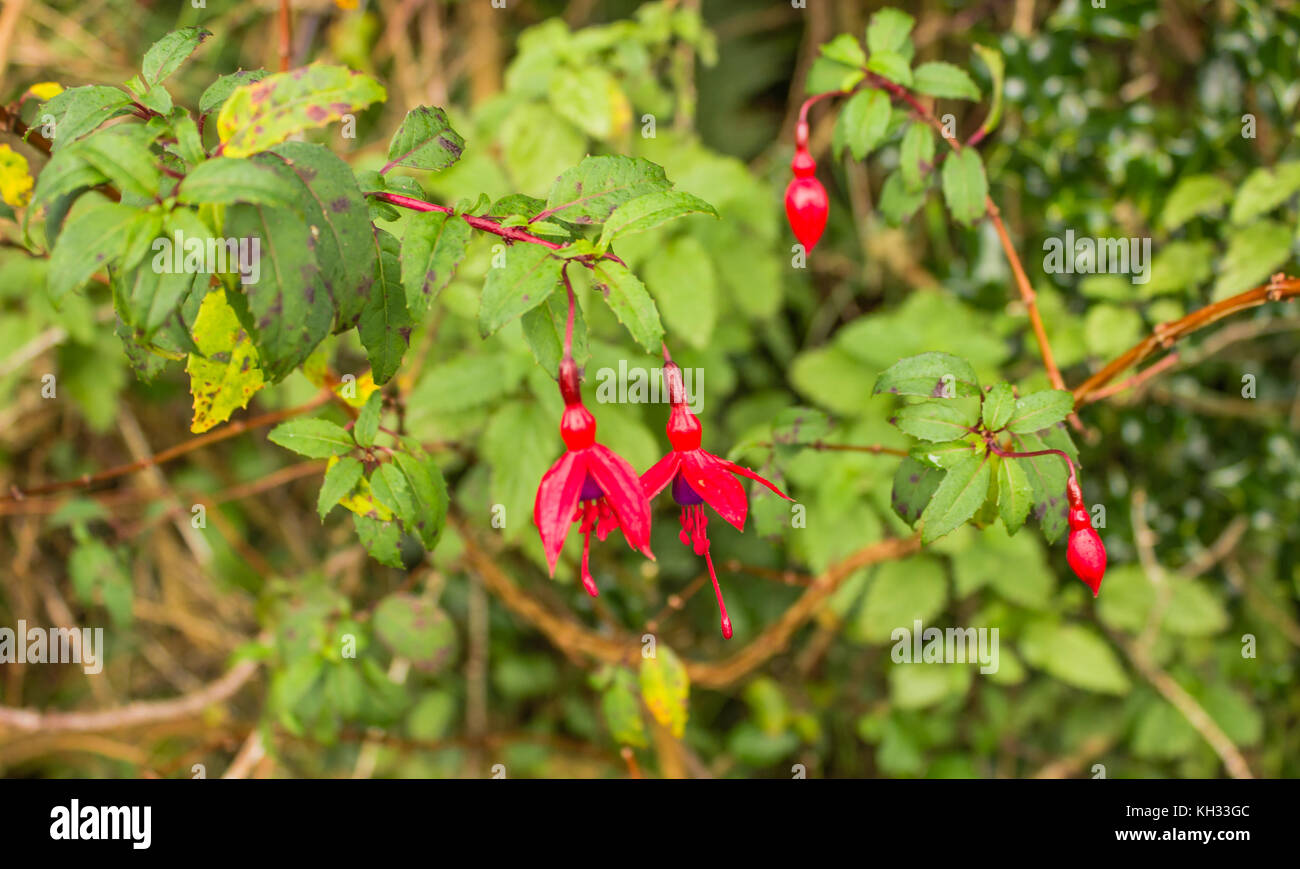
1085, 552
806, 203
698, 478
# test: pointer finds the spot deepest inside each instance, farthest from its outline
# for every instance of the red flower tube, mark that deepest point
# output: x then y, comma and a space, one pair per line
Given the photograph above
590, 484
698, 478
1085, 551
806, 203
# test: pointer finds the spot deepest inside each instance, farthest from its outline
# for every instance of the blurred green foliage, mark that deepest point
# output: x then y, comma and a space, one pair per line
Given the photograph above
1113, 121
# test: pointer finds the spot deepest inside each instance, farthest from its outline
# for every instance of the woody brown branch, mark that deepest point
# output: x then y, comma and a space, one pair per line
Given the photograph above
578, 641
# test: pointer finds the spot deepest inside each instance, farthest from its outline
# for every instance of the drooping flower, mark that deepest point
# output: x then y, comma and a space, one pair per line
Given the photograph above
591, 485
1085, 552
698, 477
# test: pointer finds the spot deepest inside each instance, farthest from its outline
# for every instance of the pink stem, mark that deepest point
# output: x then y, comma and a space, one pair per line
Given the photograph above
486, 224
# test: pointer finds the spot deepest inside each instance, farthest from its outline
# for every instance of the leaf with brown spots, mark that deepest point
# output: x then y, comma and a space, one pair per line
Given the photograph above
225, 373
263, 114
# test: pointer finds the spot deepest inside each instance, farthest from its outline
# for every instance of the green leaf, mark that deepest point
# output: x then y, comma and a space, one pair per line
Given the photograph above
589, 192
916, 155
434, 244
390, 489
665, 688
649, 211
367, 424
1194, 610
416, 629
385, 324
1039, 410
933, 375
935, 421
425, 140
227, 180
1194, 195
999, 404
260, 115
901, 593
78, 111
287, 309
997, 67
622, 710
628, 299
680, 276
428, 491
892, 66
65, 173
945, 455
1015, 494
166, 55
889, 30
862, 124
1181, 266
527, 277
123, 154
939, 79
340, 478
846, 50
1047, 476
314, 438
330, 200
828, 75
544, 328
220, 90
963, 490
224, 373
897, 204
381, 539
914, 486
965, 187
189, 147
1255, 252
1264, 190
592, 99
93, 238
1076, 655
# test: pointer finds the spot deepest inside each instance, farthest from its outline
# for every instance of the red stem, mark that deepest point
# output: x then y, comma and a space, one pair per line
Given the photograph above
486, 224
1009, 454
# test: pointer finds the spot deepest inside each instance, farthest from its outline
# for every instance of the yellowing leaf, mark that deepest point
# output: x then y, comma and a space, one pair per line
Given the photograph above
15, 181
45, 90
665, 688
360, 500
265, 113
224, 378
356, 392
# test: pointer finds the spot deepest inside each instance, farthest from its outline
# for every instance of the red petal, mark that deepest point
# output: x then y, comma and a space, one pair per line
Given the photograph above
660, 474
711, 480
624, 494
746, 472
557, 497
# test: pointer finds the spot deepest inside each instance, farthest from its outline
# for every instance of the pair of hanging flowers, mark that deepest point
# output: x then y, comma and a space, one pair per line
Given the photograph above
596, 488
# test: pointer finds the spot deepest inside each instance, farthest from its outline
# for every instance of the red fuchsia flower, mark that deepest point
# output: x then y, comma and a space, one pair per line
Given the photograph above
806, 203
590, 484
1085, 552
698, 478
